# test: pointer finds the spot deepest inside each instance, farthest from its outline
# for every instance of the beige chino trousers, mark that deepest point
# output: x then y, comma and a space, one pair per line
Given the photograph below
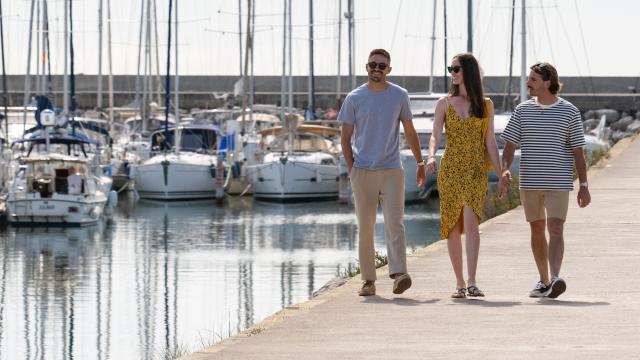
384, 186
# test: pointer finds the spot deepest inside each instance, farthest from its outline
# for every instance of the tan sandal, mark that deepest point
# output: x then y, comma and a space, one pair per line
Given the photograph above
460, 293
474, 291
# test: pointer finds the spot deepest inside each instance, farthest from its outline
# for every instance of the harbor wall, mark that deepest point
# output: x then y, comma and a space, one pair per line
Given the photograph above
586, 93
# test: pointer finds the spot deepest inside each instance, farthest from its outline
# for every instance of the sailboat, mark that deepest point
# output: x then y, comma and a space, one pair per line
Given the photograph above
303, 165
184, 160
183, 165
55, 179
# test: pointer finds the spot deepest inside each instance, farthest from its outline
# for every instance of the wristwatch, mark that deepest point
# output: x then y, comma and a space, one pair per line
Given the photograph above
584, 184
421, 162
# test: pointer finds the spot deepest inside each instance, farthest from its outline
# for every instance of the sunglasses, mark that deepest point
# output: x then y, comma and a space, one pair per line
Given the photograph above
454, 69
372, 65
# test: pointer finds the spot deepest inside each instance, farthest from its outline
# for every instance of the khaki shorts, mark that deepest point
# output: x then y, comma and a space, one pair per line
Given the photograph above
535, 202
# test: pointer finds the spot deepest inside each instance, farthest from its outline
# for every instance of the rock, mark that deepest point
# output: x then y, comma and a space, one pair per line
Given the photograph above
590, 124
330, 285
634, 126
619, 135
589, 114
612, 115
621, 125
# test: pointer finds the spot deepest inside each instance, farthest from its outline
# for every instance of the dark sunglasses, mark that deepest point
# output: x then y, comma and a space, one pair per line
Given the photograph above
372, 65
454, 69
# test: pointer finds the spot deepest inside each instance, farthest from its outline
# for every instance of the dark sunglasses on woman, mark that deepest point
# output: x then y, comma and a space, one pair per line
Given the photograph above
454, 69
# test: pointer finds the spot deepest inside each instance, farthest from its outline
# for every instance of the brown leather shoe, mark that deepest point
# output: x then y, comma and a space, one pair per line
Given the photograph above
368, 289
401, 283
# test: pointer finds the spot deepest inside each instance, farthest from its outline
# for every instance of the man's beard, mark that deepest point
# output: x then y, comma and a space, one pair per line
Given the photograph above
375, 77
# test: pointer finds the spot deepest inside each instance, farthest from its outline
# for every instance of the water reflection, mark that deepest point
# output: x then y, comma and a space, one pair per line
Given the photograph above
168, 275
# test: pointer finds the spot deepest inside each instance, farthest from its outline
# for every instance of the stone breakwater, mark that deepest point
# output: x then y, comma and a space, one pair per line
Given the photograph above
618, 124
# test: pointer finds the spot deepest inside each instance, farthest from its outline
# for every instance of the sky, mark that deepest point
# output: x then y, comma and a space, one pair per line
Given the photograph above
581, 37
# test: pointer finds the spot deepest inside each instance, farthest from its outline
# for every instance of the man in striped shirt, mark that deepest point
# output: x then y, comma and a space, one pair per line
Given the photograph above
549, 131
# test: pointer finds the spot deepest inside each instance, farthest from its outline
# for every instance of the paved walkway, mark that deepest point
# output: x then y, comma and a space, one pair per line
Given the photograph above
597, 318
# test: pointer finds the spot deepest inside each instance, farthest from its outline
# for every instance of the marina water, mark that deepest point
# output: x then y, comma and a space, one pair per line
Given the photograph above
178, 275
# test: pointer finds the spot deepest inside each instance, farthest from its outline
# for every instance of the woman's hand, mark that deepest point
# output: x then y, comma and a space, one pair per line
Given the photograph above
432, 167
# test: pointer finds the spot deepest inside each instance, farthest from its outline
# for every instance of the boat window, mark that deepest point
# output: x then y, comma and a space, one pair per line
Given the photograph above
198, 140
424, 141
423, 107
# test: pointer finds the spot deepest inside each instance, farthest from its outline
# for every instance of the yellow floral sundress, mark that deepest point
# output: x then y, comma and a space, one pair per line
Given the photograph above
462, 178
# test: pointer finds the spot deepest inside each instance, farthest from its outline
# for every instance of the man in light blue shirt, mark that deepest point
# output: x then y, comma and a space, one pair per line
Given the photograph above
371, 117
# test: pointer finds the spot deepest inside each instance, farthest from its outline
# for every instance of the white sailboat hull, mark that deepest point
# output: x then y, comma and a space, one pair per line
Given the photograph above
294, 180
60, 209
177, 177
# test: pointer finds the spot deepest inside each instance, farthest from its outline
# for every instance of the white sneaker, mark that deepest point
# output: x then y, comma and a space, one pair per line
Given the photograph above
541, 290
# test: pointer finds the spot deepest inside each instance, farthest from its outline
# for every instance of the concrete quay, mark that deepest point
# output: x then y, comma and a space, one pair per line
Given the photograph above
598, 317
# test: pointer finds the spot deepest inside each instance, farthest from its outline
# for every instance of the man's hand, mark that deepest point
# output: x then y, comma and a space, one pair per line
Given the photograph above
504, 183
584, 197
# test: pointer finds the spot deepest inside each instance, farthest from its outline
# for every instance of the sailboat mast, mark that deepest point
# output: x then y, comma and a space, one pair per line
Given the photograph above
523, 64
284, 64
167, 83
146, 86
27, 78
240, 36
65, 79
469, 26
283, 119
158, 74
47, 50
352, 45
138, 74
249, 45
507, 99
433, 45
4, 77
253, 78
38, 53
338, 78
72, 79
110, 81
311, 95
290, 51
99, 97
446, 57
176, 105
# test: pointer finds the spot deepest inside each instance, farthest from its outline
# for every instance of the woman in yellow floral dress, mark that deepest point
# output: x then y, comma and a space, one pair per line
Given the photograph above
462, 180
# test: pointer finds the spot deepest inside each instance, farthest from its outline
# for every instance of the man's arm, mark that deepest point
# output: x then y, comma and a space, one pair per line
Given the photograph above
345, 141
584, 197
414, 143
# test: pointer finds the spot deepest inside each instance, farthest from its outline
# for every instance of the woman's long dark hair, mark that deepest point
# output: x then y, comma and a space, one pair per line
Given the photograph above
472, 83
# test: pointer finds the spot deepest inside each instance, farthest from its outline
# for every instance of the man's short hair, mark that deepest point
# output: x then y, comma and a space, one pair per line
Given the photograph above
382, 52
548, 73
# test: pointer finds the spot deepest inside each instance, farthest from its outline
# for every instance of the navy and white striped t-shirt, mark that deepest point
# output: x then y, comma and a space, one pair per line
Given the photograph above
547, 136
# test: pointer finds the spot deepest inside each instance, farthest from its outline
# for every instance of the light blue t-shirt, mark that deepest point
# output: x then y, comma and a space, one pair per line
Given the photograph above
376, 117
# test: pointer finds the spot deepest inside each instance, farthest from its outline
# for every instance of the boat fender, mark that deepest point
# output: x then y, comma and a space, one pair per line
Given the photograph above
128, 170
94, 213
212, 170
113, 198
235, 169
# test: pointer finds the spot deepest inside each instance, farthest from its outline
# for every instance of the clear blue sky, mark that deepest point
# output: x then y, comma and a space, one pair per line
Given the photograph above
582, 37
